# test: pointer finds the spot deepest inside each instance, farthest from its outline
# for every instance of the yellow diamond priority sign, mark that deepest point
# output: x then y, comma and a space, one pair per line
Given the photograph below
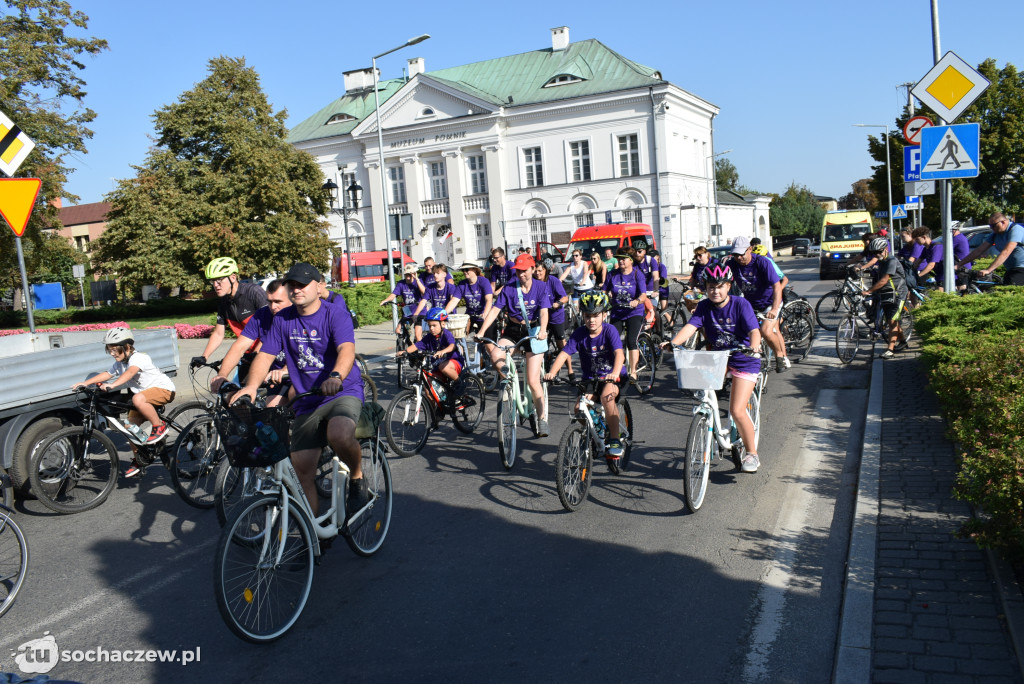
950, 87
14, 145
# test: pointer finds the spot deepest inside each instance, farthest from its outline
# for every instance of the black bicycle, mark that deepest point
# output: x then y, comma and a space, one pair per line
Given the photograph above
13, 559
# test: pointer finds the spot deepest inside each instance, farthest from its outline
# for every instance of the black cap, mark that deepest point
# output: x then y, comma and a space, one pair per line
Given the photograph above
303, 274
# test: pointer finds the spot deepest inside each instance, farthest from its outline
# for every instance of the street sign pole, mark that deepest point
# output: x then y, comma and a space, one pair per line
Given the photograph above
945, 199
24, 285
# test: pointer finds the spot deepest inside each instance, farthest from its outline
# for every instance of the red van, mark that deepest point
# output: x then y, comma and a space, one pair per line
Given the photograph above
614, 235
368, 267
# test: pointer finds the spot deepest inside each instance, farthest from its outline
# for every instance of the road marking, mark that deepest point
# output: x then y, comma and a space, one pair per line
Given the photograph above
58, 622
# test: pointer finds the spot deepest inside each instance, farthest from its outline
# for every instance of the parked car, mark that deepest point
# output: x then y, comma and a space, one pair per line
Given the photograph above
801, 246
814, 250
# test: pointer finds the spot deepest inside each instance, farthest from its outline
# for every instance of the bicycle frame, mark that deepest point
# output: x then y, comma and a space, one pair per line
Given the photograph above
708, 406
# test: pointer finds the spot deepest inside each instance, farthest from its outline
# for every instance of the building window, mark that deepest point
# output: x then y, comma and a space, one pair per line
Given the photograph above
477, 176
82, 243
579, 153
562, 79
532, 165
340, 118
633, 215
347, 179
584, 220
438, 180
483, 240
538, 230
397, 176
629, 155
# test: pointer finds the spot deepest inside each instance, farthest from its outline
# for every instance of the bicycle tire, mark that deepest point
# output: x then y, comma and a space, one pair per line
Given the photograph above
245, 585
369, 386
508, 423
366, 538
907, 323
193, 462
626, 429
182, 415
647, 365
767, 360
697, 466
574, 464
14, 559
71, 472
831, 308
847, 339
233, 486
404, 374
27, 443
797, 327
468, 410
6, 491
408, 435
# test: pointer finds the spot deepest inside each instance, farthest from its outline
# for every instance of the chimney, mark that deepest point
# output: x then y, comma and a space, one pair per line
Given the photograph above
358, 79
559, 38
57, 203
416, 66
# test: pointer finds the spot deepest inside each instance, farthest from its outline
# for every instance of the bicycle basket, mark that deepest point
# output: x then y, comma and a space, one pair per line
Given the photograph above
701, 370
237, 428
370, 419
457, 324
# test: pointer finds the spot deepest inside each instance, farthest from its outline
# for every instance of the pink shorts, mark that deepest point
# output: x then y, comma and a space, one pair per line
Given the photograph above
752, 377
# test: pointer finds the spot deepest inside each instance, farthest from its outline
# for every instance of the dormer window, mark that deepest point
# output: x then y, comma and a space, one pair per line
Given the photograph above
426, 113
339, 118
563, 79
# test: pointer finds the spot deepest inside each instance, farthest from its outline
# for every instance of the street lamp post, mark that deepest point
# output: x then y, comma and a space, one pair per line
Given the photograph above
888, 181
355, 195
380, 161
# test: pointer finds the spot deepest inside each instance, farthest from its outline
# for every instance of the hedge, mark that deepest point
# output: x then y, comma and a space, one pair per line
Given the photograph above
154, 308
974, 355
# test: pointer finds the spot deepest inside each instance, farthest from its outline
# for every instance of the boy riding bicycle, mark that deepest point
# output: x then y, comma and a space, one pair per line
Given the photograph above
602, 359
439, 343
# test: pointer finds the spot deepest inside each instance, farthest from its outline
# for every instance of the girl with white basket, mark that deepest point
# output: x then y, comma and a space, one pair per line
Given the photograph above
727, 323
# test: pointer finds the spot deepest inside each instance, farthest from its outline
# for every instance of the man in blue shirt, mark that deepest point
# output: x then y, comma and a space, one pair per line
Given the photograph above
1008, 238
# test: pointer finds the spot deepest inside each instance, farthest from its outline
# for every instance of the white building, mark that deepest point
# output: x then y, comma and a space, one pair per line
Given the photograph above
525, 148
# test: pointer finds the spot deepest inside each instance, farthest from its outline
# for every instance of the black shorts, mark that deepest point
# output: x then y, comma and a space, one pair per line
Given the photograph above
892, 307
629, 329
556, 330
515, 331
490, 333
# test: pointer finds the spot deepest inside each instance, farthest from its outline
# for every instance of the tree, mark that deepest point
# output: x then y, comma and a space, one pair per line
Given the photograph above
42, 92
795, 212
220, 181
726, 175
860, 197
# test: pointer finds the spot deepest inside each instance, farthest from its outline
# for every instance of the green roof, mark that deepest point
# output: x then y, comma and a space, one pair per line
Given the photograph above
506, 81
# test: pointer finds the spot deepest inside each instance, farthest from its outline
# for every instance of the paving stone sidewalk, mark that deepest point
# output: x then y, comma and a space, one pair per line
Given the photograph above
937, 612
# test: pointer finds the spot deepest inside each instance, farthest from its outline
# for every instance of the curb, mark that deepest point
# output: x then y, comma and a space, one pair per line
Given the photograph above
1012, 600
853, 652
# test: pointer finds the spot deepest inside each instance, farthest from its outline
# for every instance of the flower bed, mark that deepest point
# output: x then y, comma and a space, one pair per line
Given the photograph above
185, 330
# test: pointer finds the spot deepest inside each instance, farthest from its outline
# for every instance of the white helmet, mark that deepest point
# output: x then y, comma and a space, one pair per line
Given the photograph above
118, 336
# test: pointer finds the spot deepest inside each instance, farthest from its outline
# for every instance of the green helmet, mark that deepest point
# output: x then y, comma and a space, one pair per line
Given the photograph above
594, 302
220, 267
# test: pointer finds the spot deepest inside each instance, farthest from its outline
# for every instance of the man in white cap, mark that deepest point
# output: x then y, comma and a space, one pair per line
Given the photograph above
760, 284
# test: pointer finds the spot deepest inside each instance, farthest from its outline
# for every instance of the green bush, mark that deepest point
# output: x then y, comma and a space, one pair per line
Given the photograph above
364, 301
974, 352
154, 308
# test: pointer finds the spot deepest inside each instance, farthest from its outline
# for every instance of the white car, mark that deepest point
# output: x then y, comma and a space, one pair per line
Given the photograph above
814, 250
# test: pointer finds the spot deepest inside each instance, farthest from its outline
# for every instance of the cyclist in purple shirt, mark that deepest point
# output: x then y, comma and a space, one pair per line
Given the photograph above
439, 292
601, 358
407, 293
319, 348
439, 343
729, 322
501, 270
559, 298
761, 285
627, 292
930, 263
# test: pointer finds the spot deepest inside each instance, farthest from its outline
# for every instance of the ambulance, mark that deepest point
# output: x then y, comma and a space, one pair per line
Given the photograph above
841, 233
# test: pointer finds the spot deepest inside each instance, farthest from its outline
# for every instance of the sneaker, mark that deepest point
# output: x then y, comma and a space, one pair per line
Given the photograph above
782, 364
887, 354
614, 448
542, 428
135, 469
751, 463
613, 464
902, 346
358, 496
572, 377
158, 433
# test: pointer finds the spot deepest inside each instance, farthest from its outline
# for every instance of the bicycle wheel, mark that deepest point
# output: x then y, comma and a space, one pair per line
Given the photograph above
574, 464
13, 560
646, 365
5, 489
767, 360
404, 373
233, 486
847, 339
367, 533
696, 467
193, 462
180, 416
832, 308
468, 410
259, 597
798, 332
71, 472
626, 433
406, 427
907, 323
369, 386
508, 419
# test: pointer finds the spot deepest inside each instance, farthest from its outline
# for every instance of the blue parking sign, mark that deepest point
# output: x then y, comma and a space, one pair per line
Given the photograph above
911, 163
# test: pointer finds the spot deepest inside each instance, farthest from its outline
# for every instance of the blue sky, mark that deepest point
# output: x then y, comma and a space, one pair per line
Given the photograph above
791, 77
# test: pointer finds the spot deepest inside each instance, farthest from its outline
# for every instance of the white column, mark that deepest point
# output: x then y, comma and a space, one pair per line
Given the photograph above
454, 169
414, 193
378, 221
495, 191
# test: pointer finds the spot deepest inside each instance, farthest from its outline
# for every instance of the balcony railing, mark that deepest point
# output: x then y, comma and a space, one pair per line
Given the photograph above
402, 208
434, 207
475, 204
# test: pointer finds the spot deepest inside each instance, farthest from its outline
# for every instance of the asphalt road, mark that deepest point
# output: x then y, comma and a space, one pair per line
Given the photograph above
484, 577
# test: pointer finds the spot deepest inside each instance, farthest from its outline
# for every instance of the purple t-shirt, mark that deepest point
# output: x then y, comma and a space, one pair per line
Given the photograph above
728, 327
258, 328
933, 254
756, 280
622, 289
539, 297
597, 354
911, 250
310, 344
475, 296
407, 294
557, 292
961, 248
663, 274
646, 266
502, 274
439, 296
431, 344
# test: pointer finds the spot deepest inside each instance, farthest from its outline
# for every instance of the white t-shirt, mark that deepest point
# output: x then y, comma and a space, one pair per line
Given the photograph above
148, 376
581, 275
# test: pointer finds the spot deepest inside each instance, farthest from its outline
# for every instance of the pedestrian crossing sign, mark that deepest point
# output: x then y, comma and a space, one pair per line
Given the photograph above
898, 212
950, 151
